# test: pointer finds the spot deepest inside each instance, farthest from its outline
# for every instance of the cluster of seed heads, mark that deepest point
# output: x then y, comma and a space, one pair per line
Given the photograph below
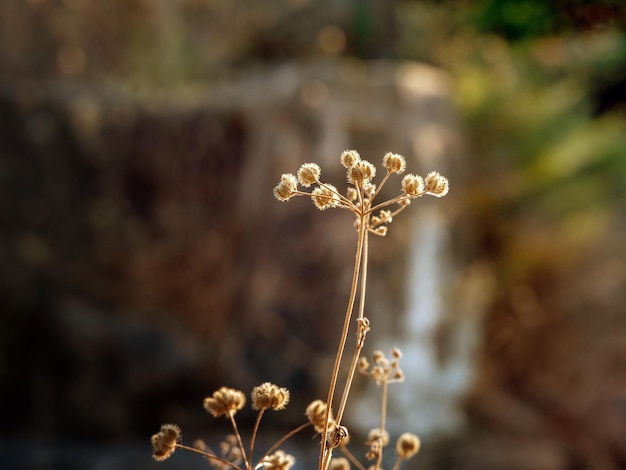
360, 195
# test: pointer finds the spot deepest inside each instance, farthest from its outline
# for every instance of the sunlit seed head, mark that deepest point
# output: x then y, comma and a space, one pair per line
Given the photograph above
268, 395
363, 364
308, 174
378, 356
352, 194
286, 188
349, 158
225, 402
164, 442
413, 185
325, 197
376, 434
279, 460
338, 436
436, 184
340, 463
398, 376
316, 412
394, 163
381, 231
396, 353
407, 445
361, 173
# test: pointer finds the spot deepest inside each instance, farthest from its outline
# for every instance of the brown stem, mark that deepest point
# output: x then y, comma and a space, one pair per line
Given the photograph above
342, 342
207, 455
239, 441
255, 430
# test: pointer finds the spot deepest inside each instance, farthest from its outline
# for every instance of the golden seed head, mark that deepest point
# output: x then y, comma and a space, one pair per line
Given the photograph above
398, 376
225, 401
316, 412
308, 174
396, 353
352, 194
363, 364
340, 463
361, 173
279, 460
164, 442
394, 163
349, 158
436, 184
268, 395
376, 434
325, 197
407, 446
378, 356
381, 231
413, 185
286, 187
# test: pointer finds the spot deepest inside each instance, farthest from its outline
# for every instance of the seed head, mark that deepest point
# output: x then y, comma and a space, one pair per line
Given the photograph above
268, 395
349, 158
340, 463
279, 460
413, 185
325, 196
286, 188
316, 412
394, 163
361, 173
225, 401
308, 174
164, 442
436, 184
376, 434
407, 446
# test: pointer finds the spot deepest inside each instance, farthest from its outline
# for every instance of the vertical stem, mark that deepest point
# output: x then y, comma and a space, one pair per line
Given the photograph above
359, 344
240, 442
383, 417
255, 430
342, 343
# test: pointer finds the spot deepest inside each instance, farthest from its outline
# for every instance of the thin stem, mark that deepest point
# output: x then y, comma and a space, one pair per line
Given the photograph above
344, 336
255, 430
391, 201
240, 442
396, 466
352, 458
207, 455
280, 441
359, 343
380, 186
383, 417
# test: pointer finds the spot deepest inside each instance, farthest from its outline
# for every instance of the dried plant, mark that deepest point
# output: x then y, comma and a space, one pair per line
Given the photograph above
369, 218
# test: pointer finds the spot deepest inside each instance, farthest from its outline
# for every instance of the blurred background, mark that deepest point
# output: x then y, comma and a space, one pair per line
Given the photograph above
144, 262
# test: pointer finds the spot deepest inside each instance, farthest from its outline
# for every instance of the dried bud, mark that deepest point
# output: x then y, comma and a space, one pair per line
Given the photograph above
407, 446
286, 188
363, 364
164, 442
338, 436
436, 184
325, 196
394, 163
349, 158
308, 174
361, 173
225, 401
413, 185
396, 353
279, 460
268, 395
